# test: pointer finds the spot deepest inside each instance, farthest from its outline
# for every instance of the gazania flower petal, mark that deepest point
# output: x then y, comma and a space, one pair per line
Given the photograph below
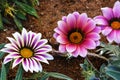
116, 9
71, 47
107, 12
29, 49
111, 36
16, 62
106, 31
62, 48
79, 33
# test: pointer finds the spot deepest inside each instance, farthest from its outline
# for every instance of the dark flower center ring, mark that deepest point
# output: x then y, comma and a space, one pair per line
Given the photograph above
115, 25
75, 37
26, 53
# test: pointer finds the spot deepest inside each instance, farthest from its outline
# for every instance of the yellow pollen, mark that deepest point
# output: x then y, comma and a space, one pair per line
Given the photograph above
75, 37
26, 53
115, 25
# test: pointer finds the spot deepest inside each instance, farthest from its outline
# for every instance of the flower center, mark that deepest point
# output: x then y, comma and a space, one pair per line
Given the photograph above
26, 53
75, 37
115, 25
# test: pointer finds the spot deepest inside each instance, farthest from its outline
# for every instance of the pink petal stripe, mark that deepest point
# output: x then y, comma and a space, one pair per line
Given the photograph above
101, 20
118, 37
89, 27
111, 36
71, 21
106, 31
55, 35
63, 27
83, 52
71, 47
89, 44
97, 29
62, 39
81, 21
93, 36
62, 48
64, 18
76, 14
107, 12
116, 9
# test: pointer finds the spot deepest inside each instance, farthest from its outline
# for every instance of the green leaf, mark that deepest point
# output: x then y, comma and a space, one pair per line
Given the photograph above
1, 53
7, 66
1, 22
20, 15
44, 77
3, 73
6, 20
19, 73
55, 75
113, 71
28, 9
18, 23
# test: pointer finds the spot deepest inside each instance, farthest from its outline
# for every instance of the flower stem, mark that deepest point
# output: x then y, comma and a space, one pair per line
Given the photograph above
92, 65
97, 55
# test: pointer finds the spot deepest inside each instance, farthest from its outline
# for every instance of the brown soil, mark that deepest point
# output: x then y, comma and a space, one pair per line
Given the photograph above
50, 11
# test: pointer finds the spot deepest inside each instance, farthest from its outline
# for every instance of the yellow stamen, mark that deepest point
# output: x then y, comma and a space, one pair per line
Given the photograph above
75, 37
115, 25
26, 53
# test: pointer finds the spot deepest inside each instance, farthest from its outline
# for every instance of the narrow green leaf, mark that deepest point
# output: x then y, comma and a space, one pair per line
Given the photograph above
44, 77
20, 15
59, 75
19, 73
3, 73
28, 9
6, 20
7, 67
114, 72
18, 23
1, 53
1, 22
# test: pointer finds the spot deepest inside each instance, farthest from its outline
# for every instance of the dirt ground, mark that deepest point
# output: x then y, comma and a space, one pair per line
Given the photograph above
50, 11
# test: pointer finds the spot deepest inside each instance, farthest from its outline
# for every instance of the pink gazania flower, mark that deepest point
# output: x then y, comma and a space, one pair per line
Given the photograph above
28, 49
77, 33
110, 22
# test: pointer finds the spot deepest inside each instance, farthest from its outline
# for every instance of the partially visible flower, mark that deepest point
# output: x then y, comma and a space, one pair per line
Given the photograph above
77, 33
28, 49
110, 22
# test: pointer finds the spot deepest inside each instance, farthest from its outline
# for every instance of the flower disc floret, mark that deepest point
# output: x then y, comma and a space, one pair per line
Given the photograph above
76, 34
29, 49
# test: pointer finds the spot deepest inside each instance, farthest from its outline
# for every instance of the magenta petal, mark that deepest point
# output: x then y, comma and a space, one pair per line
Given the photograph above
106, 31
62, 48
64, 18
107, 12
89, 27
76, 14
71, 21
111, 36
101, 20
116, 9
63, 26
55, 35
7, 59
97, 30
93, 36
118, 37
89, 44
62, 39
71, 47
83, 52
81, 21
